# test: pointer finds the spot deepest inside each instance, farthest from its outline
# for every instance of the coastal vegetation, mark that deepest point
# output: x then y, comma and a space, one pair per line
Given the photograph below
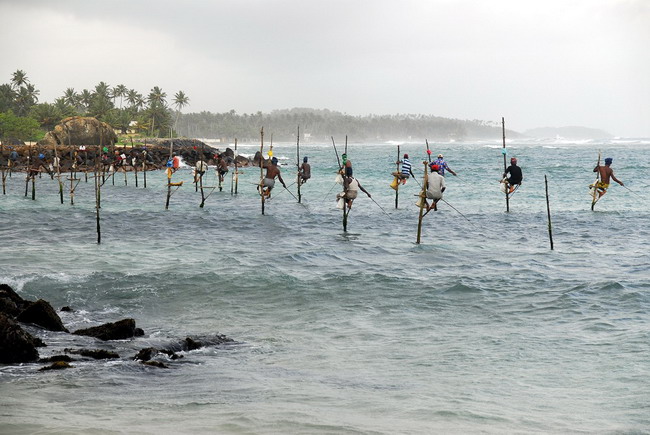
128, 111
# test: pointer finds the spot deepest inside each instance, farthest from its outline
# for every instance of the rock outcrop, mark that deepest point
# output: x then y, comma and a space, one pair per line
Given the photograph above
80, 130
42, 314
119, 330
16, 345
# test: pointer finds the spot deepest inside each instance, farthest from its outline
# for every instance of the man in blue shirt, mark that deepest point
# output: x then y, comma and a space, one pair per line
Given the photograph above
442, 165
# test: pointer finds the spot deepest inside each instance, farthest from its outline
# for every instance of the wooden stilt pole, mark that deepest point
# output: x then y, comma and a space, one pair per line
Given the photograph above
505, 165
169, 171
548, 211
144, 167
398, 180
235, 175
423, 195
298, 181
98, 195
261, 186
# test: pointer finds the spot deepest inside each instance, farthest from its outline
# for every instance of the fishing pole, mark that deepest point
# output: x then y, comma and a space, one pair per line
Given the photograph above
458, 212
632, 191
380, 207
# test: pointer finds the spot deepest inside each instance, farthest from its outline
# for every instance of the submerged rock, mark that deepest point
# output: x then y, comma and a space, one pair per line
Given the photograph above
94, 353
16, 345
56, 358
155, 364
42, 314
120, 330
58, 365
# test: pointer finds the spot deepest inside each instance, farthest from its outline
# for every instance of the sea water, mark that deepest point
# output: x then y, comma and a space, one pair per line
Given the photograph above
480, 328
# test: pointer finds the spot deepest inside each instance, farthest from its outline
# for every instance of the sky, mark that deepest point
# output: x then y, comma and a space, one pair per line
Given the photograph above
538, 63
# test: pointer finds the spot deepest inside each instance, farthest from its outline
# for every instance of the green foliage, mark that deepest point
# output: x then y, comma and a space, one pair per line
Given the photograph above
321, 124
18, 127
47, 115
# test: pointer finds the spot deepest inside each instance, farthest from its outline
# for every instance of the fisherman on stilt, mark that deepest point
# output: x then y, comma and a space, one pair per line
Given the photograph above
606, 173
304, 171
513, 176
272, 171
351, 187
435, 188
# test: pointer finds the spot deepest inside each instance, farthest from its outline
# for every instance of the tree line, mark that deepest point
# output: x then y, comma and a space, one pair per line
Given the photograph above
320, 124
23, 117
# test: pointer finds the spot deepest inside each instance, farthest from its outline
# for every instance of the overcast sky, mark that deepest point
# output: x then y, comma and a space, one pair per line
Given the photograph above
536, 62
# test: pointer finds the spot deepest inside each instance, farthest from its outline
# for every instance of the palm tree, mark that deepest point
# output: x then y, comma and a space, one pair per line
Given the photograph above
119, 91
7, 97
85, 98
180, 100
157, 105
47, 115
157, 97
70, 97
25, 98
19, 78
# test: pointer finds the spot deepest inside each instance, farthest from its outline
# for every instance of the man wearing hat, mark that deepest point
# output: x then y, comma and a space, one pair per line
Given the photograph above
435, 187
442, 165
605, 173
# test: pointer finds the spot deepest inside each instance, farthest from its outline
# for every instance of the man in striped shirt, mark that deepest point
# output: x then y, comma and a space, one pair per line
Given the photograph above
406, 169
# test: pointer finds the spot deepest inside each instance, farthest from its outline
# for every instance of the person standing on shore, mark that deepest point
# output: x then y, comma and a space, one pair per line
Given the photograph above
605, 173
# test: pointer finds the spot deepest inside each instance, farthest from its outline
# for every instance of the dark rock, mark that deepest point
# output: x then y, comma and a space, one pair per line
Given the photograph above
228, 153
67, 309
120, 330
58, 365
94, 353
145, 354
10, 302
190, 344
38, 342
42, 314
138, 332
9, 307
16, 345
55, 358
155, 364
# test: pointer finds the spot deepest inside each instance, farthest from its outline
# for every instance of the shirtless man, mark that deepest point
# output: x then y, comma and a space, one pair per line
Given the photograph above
605, 173
304, 171
222, 167
272, 171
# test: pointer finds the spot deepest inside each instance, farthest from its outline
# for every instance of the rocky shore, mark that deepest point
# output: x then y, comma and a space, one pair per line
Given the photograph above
18, 346
81, 143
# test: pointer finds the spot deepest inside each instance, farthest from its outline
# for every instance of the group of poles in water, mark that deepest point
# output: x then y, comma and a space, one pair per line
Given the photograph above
431, 193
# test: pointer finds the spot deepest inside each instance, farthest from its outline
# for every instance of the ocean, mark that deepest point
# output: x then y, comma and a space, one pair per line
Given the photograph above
481, 328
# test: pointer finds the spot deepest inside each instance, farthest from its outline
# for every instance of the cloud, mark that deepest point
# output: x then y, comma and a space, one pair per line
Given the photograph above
535, 62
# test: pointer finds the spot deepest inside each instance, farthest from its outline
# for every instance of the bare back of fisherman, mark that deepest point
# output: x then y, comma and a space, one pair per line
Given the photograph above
272, 171
304, 171
606, 174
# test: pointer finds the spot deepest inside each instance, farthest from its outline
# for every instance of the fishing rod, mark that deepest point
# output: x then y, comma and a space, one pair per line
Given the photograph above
380, 207
458, 212
632, 191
